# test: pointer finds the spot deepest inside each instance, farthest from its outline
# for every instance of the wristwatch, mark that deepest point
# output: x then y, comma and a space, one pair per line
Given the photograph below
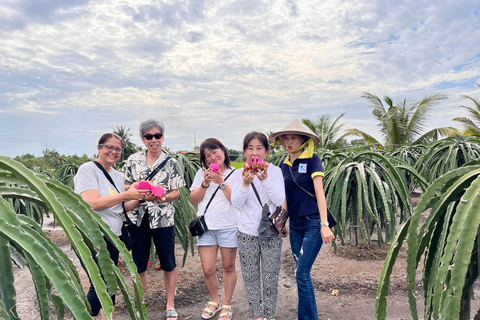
223, 186
326, 224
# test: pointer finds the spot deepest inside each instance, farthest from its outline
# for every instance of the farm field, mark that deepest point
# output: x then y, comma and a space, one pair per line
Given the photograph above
353, 271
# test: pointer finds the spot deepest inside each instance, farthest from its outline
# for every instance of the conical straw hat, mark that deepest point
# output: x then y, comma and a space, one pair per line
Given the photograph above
294, 127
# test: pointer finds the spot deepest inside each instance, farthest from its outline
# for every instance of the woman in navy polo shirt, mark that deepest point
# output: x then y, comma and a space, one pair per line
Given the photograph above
302, 171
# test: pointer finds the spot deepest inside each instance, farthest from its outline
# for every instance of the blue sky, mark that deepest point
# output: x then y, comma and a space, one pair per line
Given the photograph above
72, 70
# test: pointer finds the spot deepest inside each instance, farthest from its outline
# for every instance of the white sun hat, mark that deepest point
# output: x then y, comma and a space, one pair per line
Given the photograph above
294, 127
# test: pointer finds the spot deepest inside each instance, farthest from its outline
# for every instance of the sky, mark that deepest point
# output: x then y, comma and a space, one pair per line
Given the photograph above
73, 70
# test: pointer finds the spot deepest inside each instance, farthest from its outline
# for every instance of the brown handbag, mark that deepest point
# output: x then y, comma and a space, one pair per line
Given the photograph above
278, 220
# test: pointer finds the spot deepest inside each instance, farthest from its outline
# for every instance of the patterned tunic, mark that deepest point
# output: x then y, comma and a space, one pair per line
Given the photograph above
170, 177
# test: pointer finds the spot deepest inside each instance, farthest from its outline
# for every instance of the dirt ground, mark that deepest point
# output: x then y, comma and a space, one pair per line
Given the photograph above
353, 271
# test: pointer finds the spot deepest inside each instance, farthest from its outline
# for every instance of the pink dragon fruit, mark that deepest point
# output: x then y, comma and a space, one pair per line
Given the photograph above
214, 167
255, 166
158, 191
144, 185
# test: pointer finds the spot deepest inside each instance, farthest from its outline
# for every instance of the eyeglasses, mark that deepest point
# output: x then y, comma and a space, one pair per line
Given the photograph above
112, 148
149, 136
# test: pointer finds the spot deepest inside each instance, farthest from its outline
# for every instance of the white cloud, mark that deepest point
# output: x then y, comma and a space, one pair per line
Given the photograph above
221, 68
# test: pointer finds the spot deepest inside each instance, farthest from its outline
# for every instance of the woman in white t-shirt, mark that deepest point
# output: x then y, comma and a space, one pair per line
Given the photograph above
222, 222
95, 188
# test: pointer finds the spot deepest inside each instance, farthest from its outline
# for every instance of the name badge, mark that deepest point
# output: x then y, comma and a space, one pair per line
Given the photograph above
302, 168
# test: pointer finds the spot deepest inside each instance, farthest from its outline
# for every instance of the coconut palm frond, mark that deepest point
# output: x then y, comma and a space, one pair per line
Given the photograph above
437, 134
368, 138
474, 111
327, 130
378, 108
417, 122
469, 127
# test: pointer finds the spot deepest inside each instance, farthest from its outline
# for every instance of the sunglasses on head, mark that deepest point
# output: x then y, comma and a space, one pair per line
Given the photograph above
149, 136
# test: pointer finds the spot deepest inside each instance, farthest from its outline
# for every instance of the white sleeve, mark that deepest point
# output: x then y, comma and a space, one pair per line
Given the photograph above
274, 186
197, 181
239, 192
86, 178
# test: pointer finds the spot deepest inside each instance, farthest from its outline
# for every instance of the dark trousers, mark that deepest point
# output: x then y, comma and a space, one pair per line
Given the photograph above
92, 294
164, 241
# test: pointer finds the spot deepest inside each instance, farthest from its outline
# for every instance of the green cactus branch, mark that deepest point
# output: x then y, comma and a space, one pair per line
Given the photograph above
446, 239
48, 264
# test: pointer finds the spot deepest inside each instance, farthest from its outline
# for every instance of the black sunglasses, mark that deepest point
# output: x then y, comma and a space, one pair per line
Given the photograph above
149, 136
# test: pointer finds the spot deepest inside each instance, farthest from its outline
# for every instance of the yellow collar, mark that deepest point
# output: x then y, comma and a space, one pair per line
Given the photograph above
304, 155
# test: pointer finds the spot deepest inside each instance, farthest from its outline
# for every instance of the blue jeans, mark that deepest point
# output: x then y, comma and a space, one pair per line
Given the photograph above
306, 241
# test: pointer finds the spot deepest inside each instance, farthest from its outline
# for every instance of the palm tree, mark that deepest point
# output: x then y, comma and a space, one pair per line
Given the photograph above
469, 126
53, 158
403, 123
129, 147
327, 131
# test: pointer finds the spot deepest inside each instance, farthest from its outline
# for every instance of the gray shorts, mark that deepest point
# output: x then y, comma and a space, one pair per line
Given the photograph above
225, 238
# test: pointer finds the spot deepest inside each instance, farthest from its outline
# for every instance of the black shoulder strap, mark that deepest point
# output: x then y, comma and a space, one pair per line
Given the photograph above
106, 175
109, 178
156, 169
213, 195
294, 180
256, 193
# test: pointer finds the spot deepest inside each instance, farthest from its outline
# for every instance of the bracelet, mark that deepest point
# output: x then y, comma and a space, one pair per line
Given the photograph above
204, 186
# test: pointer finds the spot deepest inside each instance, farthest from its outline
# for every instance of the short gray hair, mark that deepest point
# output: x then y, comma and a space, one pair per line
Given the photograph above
150, 124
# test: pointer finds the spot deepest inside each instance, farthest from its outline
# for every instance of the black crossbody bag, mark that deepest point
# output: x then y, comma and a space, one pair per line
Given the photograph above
198, 226
270, 222
127, 225
330, 218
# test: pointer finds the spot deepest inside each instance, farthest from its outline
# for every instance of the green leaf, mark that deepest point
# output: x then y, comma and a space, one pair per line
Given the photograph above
3, 312
7, 289
468, 210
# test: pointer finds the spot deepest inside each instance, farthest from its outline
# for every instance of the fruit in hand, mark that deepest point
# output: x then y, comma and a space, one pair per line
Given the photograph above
144, 185
214, 167
255, 166
158, 191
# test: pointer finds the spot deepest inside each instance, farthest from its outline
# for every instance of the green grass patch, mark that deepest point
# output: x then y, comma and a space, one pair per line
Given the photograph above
237, 165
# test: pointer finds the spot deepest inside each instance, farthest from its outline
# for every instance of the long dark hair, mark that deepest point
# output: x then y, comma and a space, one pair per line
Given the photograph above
255, 135
212, 144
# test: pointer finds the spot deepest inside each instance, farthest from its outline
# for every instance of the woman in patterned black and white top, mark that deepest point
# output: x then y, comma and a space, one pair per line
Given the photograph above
155, 217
